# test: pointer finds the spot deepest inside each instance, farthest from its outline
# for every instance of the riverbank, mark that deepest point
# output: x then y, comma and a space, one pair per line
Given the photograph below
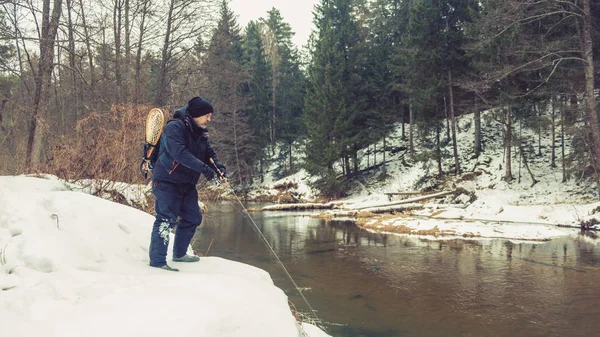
544, 199
72, 264
492, 214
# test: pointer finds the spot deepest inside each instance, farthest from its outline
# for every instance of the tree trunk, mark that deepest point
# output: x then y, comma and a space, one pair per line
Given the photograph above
520, 147
74, 79
539, 114
138, 56
291, 158
589, 83
447, 119
533, 180
275, 57
117, 28
161, 94
88, 45
453, 123
562, 138
438, 151
236, 144
411, 146
19, 55
399, 104
403, 126
355, 158
348, 161
507, 146
59, 101
127, 65
272, 120
374, 154
42, 82
384, 148
477, 145
553, 146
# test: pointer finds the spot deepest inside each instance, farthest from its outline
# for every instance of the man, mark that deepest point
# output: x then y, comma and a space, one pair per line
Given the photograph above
184, 154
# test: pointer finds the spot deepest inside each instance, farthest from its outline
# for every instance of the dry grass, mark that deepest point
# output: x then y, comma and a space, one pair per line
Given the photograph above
106, 145
365, 215
14, 125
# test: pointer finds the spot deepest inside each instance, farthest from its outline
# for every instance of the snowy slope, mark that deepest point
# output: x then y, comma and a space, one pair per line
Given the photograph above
72, 264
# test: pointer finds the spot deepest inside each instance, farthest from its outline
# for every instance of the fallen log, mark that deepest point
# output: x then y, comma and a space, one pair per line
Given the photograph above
445, 206
297, 207
367, 211
393, 208
407, 201
336, 214
385, 209
410, 207
390, 195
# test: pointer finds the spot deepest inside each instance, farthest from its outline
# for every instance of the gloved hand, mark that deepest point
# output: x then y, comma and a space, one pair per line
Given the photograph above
221, 168
209, 173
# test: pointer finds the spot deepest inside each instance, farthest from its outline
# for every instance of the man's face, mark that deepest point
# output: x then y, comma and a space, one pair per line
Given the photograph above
203, 120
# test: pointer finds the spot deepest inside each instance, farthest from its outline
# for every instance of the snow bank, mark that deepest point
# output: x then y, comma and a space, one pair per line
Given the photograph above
72, 264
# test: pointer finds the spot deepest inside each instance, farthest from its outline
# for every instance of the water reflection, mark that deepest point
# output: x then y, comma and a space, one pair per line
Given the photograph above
367, 284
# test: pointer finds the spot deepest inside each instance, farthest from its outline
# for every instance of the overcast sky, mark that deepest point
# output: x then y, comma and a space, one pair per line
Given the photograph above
298, 13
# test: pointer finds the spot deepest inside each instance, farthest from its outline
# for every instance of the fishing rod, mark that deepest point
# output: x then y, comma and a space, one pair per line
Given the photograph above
264, 240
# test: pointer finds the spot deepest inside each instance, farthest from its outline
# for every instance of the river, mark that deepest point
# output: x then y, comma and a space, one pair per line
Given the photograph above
382, 285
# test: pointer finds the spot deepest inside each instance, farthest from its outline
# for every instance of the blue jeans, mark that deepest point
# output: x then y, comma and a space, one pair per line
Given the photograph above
172, 201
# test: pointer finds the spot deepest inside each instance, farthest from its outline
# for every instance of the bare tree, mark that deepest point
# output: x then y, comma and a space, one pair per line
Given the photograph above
88, 45
182, 28
117, 30
74, 68
42, 81
144, 13
127, 64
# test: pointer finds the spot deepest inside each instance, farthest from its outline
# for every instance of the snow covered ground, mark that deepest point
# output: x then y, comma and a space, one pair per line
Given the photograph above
72, 264
490, 208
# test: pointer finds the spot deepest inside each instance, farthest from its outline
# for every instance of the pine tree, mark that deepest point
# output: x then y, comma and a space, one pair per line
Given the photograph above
456, 14
258, 89
329, 103
430, 58
287, 85
291, 91
379, 98
421, 65
225, 81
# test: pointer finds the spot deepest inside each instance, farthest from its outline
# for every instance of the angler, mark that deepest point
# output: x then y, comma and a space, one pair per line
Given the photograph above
183, 155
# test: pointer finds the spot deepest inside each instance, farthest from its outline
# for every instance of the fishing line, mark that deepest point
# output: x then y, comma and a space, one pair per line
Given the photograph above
264, 239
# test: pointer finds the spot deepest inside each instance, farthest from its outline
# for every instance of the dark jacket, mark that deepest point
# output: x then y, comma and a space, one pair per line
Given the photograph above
185, 151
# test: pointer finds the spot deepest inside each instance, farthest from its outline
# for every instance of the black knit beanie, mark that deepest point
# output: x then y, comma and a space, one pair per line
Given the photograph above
198, 106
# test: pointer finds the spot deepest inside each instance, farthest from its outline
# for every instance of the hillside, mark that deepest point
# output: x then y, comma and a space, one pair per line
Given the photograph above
482, 191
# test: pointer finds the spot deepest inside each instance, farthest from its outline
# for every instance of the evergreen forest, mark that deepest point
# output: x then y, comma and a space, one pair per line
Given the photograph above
79, 77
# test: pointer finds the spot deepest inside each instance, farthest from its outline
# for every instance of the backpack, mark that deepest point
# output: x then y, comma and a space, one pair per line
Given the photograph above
155, 123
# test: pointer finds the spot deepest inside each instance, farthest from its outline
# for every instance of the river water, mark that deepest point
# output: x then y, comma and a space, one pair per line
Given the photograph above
377, 285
